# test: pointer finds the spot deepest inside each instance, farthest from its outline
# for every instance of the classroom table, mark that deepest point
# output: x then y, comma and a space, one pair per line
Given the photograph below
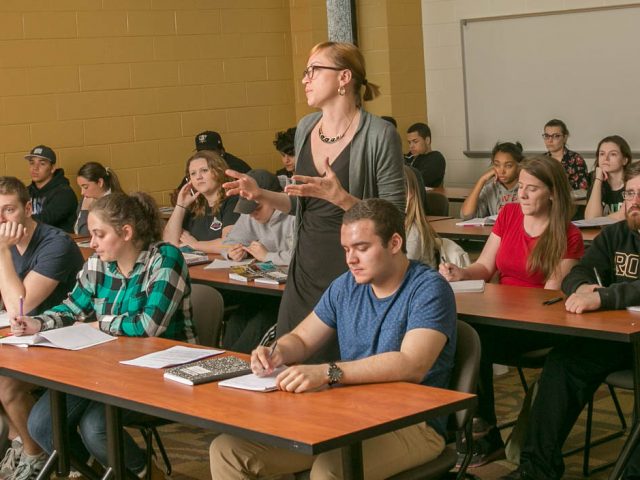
219, 278
447, 228
521, 308
309, 423
454, 194
437, 218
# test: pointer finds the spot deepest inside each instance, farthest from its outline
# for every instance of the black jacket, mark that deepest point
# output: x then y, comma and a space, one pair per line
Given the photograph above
55, 203
615, 254
431, 165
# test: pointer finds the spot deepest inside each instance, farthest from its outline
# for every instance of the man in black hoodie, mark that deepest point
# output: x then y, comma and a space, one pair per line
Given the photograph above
53, 200
607, 278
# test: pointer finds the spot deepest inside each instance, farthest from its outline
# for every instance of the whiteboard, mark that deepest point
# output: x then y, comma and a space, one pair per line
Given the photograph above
581, 66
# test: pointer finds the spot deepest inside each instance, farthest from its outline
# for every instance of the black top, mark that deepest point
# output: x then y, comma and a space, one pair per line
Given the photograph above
284, 172
615, 254
318, 258
209, 226
55, 203
431, 165
612, 200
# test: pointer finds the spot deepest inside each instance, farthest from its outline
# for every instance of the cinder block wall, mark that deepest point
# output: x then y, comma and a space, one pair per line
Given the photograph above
129, 83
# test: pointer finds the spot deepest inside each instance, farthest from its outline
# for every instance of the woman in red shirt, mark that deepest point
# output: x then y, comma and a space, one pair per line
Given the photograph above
533, 244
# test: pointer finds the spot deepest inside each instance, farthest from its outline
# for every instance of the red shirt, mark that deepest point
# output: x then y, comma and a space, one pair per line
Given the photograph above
516, 245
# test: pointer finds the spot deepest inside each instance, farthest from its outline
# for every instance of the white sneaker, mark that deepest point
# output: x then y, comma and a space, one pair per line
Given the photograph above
29, 466
11, 459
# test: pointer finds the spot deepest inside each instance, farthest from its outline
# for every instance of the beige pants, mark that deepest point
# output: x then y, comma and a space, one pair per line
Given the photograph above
383, 456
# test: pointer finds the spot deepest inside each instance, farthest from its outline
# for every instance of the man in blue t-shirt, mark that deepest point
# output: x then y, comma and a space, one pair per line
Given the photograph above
395, 320
38, 266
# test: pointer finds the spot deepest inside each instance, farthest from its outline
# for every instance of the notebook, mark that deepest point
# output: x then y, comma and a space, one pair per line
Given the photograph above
208, 370
75, 337
467, 286
478, 222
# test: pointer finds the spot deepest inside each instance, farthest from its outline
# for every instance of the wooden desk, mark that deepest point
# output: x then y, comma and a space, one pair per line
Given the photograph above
521, 308
219, 278
437, 218
454, 194
447, 228
309, 423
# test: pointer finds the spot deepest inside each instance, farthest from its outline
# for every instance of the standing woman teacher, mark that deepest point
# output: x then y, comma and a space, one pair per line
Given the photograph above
344, 154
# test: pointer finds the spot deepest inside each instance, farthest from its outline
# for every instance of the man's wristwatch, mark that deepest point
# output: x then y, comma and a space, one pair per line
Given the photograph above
334, 373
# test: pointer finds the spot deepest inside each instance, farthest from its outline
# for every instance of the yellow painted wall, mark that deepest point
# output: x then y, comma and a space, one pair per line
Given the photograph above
129, 83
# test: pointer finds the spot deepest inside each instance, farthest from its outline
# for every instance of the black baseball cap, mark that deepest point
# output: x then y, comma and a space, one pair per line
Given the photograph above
264, 179
42, 151
209, 140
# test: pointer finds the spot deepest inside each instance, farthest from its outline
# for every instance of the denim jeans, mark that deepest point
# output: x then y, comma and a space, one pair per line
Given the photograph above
87, 431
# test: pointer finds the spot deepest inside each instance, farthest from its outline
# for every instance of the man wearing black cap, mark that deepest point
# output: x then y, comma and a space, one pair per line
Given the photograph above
209, 140
53, 201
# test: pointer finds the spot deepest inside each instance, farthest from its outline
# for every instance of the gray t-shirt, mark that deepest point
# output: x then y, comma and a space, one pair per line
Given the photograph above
367, 325
53, 254
493, 196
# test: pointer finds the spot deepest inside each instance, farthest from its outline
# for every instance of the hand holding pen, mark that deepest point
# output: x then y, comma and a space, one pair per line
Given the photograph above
264, 360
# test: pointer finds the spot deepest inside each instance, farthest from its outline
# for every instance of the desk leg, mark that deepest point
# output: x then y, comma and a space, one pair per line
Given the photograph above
634, 436
352, 462
114, 444
60, 455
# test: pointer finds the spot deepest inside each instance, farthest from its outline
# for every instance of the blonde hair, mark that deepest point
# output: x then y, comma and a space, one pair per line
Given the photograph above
217, 165
415, 217
349, 57
552, 244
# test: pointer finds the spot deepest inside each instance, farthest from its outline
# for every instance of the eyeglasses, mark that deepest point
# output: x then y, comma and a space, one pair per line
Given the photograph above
310, 71
630, 194
552, 136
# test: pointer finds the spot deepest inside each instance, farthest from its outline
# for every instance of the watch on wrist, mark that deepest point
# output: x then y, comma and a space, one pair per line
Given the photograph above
334, 373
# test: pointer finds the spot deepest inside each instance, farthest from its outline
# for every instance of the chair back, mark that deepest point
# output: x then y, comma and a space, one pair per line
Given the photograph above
208, 312
464, 377
437, 204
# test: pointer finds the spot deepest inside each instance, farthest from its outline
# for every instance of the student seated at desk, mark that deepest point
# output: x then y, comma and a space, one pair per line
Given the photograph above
423, 243
613, 155
95, 181
555, 138
575, 369
203, 215
430, 163
38, 267
395, 321
134, 285
533, 244
498, 185
265, 234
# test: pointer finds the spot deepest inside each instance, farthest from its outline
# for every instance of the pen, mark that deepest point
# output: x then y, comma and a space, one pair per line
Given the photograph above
273, 348
21, 305
598, 279
551, 301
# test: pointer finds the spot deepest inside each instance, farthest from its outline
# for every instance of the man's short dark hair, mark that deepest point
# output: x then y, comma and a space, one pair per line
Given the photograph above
391, 120
421, 129
386, 218
284, 141
11, 185
632, 171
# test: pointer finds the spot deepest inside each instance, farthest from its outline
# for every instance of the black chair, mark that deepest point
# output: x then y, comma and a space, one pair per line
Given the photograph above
620, 379
208, 312
437, 204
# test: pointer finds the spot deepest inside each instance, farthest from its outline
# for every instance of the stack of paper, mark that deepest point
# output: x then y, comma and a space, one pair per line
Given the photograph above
594, 222
253, 382
478, 222
171, 356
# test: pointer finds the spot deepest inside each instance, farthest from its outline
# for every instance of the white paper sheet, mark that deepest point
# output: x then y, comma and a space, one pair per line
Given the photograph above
217, 263
253, 382
173, 356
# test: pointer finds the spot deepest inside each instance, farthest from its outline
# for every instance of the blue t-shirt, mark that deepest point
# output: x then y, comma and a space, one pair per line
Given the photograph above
53, 254
367, 325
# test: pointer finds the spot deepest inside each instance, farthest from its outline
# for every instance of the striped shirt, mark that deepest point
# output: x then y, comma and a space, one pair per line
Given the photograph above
153, 301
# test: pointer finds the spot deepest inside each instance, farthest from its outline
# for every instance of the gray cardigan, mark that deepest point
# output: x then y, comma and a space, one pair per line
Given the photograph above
375, 161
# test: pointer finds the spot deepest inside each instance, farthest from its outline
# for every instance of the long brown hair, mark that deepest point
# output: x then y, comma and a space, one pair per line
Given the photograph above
349, 57
415, 216
217, 165
552, 244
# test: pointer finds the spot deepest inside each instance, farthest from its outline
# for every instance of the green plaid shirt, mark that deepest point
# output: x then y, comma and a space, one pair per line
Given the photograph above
154, 301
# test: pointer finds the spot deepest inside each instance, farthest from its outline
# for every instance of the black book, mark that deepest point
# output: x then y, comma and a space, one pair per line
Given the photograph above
208, 370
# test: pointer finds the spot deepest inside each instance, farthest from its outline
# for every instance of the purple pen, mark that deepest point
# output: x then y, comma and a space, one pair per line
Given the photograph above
21, 305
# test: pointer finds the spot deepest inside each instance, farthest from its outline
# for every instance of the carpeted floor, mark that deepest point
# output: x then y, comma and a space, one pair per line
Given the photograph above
188, 446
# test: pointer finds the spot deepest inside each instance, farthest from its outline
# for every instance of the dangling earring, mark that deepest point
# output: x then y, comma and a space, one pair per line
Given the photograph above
341, 91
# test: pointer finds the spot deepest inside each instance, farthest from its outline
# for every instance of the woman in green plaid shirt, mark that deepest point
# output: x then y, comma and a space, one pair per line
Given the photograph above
134, 285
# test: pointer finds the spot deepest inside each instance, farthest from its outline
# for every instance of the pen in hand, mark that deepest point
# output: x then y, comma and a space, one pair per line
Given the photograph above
21, 306
598, 279
551, 301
